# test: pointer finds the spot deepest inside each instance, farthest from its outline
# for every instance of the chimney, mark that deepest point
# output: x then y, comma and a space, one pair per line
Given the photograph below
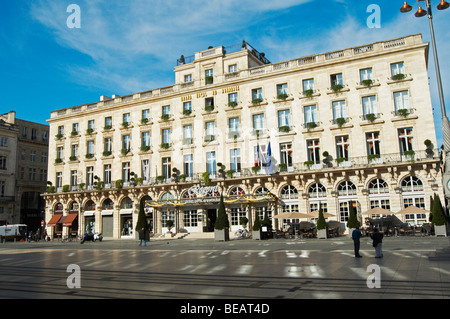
11, 117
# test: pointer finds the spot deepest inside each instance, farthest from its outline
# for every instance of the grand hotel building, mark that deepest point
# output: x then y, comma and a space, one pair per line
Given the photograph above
353, 125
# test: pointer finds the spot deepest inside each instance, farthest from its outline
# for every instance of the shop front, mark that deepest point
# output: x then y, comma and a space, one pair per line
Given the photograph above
197, 207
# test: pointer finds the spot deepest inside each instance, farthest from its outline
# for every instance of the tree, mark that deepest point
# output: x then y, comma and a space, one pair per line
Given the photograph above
430, 218
222, 220
438, 212
257, 223
321, 223
352, 219
142, 221
266, 221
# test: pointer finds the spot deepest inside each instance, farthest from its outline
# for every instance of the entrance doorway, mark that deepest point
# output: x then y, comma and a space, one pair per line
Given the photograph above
211, 216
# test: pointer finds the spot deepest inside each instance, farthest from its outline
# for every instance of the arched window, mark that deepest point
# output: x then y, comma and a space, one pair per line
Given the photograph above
289, 192
261, 192
317, 190
108, 204
346, 188
378, 195
126, 203
378, 186
90, 205
59, 208
167, 196
74, 207
236, 191
412, 184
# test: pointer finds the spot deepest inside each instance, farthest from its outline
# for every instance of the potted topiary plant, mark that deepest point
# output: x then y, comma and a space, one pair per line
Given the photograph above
221, 227
439, 219
429, 149
169, 225
141, 220
256, 234
243, 221
321, 226
352, 222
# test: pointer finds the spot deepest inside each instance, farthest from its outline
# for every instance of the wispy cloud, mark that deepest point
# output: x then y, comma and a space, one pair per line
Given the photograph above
122, 38
132, 44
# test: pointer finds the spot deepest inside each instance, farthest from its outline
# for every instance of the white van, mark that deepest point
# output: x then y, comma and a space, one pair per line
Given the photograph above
17, 231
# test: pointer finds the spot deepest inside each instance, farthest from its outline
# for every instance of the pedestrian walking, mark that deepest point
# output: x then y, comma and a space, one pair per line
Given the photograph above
377, 238
356, 235
142, 237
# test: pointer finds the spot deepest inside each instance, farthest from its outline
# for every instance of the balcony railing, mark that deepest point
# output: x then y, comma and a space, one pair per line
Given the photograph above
268, 68
296, 168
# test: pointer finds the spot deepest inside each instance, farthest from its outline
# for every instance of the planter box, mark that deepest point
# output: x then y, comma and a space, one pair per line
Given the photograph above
221, 234
322, 234
256, 235
440, 230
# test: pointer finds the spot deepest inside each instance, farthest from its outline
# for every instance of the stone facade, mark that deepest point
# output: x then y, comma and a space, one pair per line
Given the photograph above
342, 127
23, 171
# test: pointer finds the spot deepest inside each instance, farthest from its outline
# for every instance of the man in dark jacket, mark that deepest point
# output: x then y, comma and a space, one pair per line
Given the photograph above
377, 238
142, 237
356, 235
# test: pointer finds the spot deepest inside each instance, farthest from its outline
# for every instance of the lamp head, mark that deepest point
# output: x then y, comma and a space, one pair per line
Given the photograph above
405, 8
420, 13
443, 5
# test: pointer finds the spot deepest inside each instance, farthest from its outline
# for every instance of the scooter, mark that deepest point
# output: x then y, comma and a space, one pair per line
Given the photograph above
91, 237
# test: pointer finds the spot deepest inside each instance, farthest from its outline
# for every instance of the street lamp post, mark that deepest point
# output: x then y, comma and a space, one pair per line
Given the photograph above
445, 123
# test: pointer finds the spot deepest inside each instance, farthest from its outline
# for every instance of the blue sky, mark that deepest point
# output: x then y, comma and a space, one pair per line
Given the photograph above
125, 47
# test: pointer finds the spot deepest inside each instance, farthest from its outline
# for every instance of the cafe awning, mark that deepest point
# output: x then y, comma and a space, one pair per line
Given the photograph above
291, 215
412, 210
69, 219
54, 220
315, 214
378, 211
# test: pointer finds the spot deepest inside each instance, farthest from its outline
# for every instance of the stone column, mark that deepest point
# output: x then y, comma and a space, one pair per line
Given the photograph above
116, 221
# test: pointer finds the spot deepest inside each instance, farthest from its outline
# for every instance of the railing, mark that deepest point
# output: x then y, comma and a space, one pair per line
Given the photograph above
296, 168
265, 69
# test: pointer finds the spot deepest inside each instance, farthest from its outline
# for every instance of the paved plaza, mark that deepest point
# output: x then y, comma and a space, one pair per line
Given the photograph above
412, 267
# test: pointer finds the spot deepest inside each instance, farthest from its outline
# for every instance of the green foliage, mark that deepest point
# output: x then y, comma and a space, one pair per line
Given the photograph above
352, 219
438, 212
308, 93
141, 221
370, 117
206, 180
266, 221
403, 112
243, 221
337, 88
340, 121
367, 82
282, 96
321, 224
257, 223
222, 220
398, 77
